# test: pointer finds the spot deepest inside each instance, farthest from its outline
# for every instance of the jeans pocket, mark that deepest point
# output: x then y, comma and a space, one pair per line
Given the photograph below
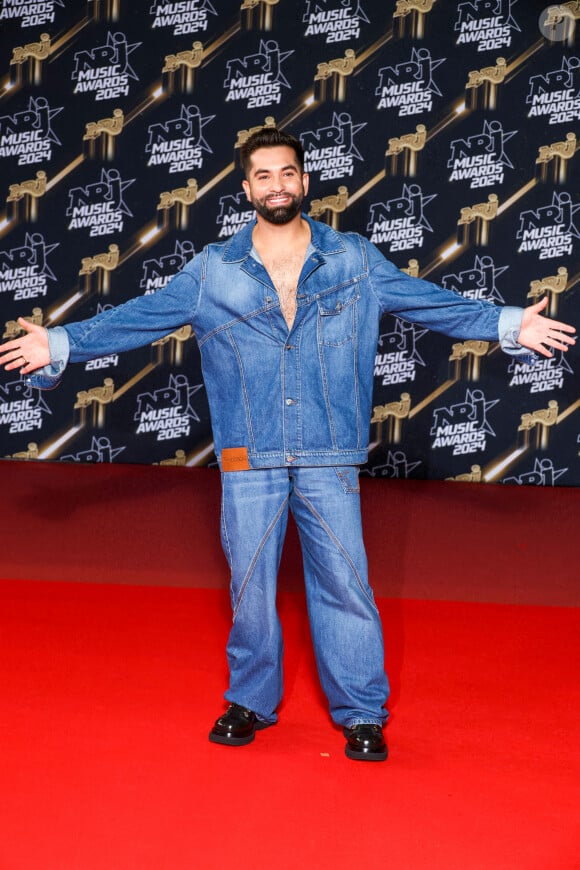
348, 478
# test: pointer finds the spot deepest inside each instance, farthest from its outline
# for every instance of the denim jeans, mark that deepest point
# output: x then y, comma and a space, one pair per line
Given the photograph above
344, 620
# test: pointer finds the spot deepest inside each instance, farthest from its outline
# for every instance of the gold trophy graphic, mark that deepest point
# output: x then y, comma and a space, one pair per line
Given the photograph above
553, 285
12, 328
28, 193
472, 476
484, 83
557, 154
480, 216
393, 413
258, 14
180, 198
183, 64
415, 12
96, 398
30, 57
408, 145
331, 76
334, 204
541, 420
102, 265
105, 131
31, 452
472, 350
176, 342
412, 268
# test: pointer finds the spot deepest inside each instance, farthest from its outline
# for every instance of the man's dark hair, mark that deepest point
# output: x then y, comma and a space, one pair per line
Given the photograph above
269, 137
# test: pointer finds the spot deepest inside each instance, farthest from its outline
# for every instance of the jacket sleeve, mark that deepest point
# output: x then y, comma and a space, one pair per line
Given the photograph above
446, 311
429, 305
135, 323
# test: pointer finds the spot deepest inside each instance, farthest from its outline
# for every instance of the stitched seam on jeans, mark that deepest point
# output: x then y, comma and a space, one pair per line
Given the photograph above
224, 529
337, 544
256, 555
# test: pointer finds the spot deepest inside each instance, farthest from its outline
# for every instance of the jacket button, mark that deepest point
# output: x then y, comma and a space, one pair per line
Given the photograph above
290, 459
290, 401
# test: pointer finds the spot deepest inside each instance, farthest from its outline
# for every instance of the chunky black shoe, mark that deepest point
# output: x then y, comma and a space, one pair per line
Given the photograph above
236, 727
365, 743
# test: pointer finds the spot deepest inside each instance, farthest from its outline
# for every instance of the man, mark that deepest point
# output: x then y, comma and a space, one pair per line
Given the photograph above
286, 313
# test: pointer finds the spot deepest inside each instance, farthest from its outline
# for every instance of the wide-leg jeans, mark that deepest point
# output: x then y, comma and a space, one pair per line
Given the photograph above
344, 621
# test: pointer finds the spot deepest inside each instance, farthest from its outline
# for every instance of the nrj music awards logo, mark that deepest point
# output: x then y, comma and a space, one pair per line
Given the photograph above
400, 223
556, 94
99, 207
24, 270
101, 450
234, 213
257, 79
105, 70
338, 21
331, 151
31, 14
397, 466
550, 229
167, 412
188, 16
479, 282
488, 23
544, 473
21, 407
397, 356
159, 272
481, 159
409, 86
179, 143
28, 135
464, 427
545, 375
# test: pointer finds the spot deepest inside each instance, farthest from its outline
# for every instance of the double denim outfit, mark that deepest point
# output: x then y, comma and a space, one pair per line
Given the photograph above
290, 415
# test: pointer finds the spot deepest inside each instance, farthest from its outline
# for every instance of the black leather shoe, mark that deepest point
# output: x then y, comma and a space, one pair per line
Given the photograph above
236, 727
365, 743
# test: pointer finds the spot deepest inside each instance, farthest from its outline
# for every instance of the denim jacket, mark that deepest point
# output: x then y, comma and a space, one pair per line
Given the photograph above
280, 397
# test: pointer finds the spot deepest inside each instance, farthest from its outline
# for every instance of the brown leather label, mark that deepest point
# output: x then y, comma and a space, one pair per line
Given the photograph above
235, 459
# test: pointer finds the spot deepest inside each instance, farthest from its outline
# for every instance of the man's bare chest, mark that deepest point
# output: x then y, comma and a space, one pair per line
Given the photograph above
284, 271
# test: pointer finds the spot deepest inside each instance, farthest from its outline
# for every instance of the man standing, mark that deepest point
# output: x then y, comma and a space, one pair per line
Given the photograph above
286, 313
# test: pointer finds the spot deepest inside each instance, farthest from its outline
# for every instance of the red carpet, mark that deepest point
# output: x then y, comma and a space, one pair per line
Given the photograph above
114, 617
109, 692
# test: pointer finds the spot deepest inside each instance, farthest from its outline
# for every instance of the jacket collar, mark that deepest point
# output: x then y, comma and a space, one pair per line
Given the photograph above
324, 239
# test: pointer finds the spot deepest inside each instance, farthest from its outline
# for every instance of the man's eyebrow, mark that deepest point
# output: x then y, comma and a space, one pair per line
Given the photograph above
282, 168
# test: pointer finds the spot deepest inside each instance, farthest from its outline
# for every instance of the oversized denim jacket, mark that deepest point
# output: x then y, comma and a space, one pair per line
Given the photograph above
298, 397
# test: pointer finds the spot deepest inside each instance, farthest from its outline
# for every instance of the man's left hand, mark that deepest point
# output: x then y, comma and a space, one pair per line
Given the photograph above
540, 333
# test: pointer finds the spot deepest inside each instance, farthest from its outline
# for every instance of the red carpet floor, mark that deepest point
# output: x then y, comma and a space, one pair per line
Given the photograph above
109, 690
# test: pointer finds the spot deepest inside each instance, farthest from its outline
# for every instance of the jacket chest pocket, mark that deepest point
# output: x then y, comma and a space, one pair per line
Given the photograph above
337, 317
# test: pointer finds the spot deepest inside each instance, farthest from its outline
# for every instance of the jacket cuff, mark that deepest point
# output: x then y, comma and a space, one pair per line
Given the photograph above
509, 325
59, 348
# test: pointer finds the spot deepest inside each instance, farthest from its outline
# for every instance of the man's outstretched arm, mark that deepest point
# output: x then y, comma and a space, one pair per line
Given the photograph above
31, 351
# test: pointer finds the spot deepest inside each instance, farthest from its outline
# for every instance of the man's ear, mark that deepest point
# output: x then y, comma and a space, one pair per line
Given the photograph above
246, 188
305, 182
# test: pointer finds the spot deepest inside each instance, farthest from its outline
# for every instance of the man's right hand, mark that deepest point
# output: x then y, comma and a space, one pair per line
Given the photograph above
28, 352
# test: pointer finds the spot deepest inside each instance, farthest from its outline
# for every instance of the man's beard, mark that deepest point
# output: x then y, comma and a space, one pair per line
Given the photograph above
281, 214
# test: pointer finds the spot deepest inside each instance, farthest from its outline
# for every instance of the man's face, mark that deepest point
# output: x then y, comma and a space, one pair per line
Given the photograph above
275, 185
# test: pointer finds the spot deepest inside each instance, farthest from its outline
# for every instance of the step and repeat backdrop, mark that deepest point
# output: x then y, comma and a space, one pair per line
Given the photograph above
445, 132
